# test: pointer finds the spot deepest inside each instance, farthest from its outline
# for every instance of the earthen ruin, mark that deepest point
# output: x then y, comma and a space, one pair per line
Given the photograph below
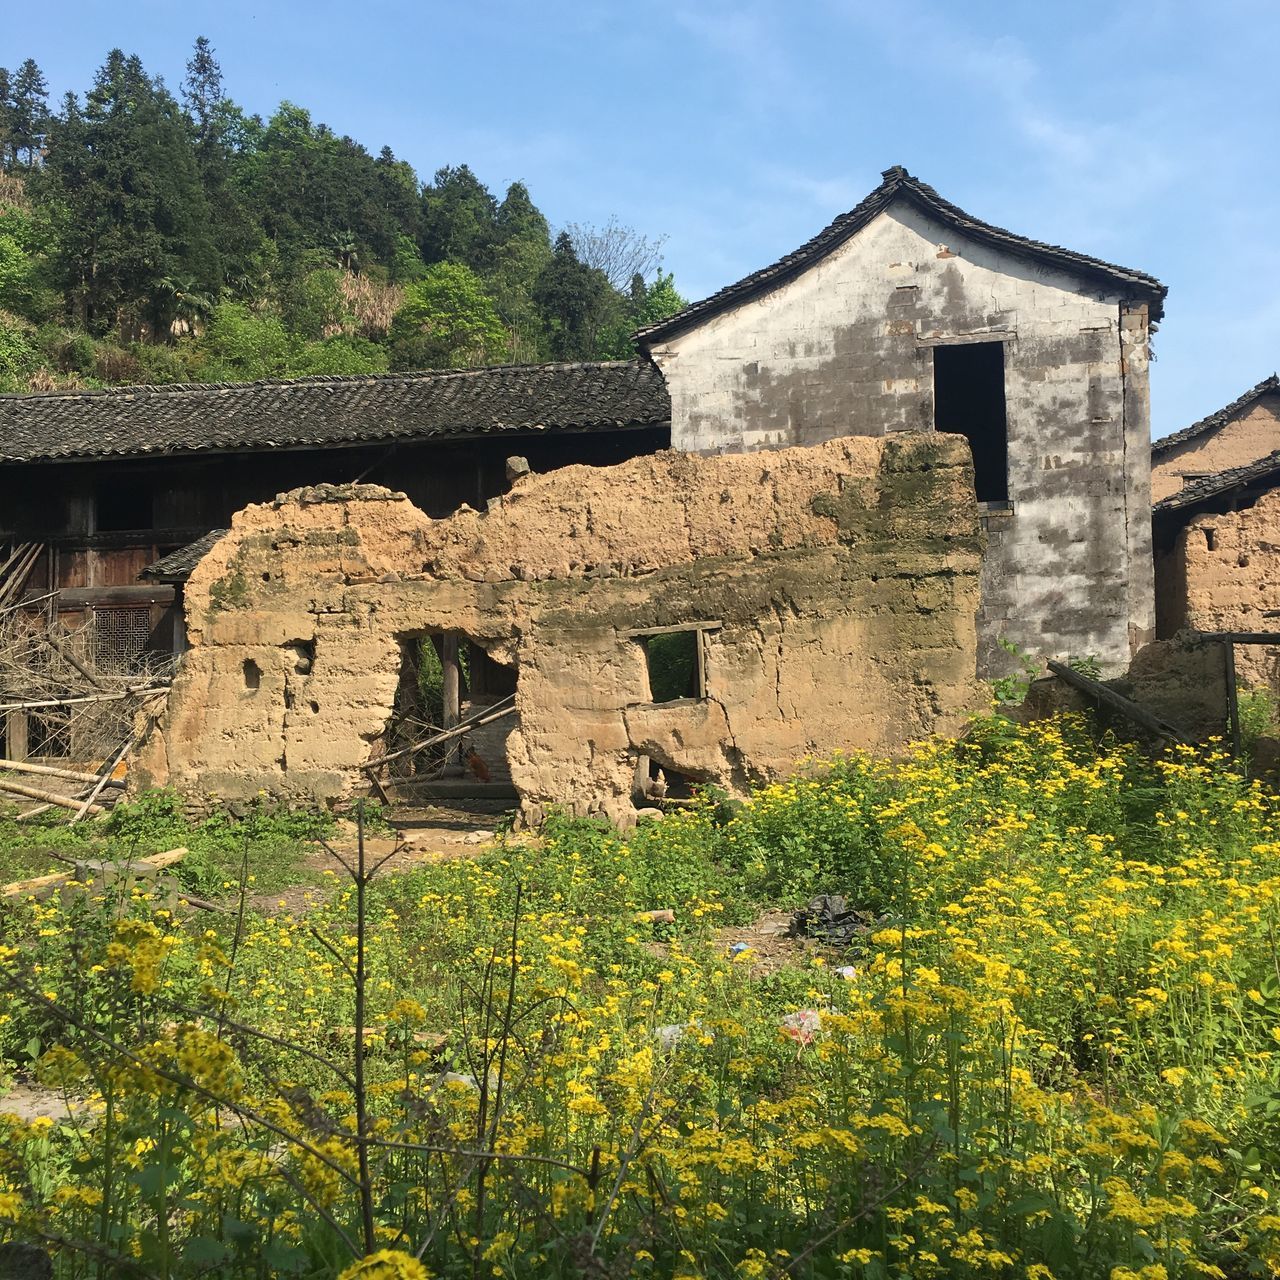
830, 594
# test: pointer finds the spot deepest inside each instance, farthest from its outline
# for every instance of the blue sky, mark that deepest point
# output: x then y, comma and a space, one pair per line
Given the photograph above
1144, 134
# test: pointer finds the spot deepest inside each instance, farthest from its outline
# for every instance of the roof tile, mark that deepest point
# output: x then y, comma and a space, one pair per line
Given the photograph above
330, 410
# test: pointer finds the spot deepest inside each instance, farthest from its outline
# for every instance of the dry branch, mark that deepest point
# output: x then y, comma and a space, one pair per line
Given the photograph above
72, 694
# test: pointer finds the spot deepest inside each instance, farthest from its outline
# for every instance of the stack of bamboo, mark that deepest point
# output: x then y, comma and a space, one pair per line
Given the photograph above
15, 569
58, 705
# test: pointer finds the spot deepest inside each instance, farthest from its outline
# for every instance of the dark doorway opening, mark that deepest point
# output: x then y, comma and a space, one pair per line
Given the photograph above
968, 400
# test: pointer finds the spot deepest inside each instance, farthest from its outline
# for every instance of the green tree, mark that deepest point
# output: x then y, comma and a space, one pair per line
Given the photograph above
521, 252
19, 355
121, 186
576, 302
314, 306
447, 321
646, 304
28, 115
202, 94
459, 219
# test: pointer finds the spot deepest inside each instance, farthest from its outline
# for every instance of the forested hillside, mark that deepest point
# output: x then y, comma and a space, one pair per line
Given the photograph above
151, 238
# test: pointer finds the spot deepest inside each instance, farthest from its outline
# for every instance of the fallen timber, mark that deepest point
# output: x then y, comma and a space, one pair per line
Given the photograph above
52, 771
156, 862
50, 797
1117, 702
489, 714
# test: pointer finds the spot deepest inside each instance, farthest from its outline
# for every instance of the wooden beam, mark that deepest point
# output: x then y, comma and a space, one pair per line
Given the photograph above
450, 686
1233, 696
1242, 637
15, 734
487, 716
157, 862
1127, 708
636, 632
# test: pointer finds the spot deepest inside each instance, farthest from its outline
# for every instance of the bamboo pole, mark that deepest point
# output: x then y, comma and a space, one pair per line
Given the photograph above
137, 691
52, 771
49, 797
87, 804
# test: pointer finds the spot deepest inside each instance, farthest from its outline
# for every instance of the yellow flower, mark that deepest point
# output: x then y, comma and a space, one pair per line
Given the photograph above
386, 1264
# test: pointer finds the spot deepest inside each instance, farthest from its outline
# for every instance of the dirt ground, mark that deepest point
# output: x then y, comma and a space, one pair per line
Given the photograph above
422, 834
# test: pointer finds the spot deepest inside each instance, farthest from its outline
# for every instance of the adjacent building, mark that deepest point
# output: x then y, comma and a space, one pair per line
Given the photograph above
908, 314
1216, 526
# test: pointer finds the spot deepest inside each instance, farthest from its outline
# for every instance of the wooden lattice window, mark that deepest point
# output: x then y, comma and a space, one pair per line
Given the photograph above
120, 635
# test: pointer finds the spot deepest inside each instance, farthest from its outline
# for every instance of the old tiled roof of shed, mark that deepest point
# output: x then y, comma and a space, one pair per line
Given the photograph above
1265, 472
177, 565
1228, 413
331, 410
898, 184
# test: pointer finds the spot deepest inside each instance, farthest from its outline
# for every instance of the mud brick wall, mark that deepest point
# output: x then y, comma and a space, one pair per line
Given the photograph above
1223, 574
838, 588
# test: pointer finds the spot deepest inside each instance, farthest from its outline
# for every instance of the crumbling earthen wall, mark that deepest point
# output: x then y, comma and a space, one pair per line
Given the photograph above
848, 347
1223, 574
837, 587
1246, 439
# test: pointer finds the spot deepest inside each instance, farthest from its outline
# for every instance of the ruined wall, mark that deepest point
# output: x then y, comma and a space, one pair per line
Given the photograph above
1222, 573
1252, 436
843, 582
847, 347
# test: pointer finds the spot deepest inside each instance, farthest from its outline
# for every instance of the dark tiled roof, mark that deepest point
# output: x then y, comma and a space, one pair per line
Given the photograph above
1268, 386
1193, 491
331, 410
898, 184
177, 565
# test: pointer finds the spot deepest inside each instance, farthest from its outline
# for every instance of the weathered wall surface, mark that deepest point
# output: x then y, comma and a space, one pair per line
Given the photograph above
843, 579
1222, 574
1250, 437
847, 347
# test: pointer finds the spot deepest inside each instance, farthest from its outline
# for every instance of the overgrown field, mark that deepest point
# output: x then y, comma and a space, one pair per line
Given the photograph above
1054, 1054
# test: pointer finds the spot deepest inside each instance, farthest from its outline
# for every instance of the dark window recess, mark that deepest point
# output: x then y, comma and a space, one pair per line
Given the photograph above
968, 399
125, 505
674, 669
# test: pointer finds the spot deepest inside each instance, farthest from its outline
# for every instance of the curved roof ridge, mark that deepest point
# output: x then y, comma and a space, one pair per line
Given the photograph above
1224, 415
898, 183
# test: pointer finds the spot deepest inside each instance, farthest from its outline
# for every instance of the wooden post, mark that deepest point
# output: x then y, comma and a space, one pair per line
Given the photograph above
1233, 700
451, 688
15, 735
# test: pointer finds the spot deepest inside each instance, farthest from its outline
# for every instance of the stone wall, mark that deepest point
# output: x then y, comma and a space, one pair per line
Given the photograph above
847, 347
837, 588
1222, 574
1252, 436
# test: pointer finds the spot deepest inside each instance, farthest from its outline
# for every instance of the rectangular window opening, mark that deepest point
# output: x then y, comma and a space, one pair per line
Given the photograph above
675, 664
124, 506
968, 400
